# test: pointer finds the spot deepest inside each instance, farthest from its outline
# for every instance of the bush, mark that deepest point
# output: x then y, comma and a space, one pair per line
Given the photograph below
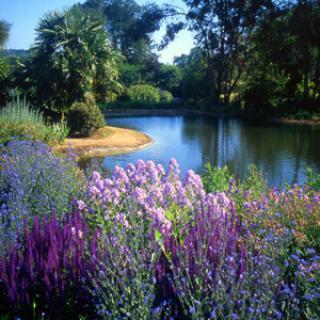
84, 119
33, 182
143, 93
18, 119
216, 179
166, 96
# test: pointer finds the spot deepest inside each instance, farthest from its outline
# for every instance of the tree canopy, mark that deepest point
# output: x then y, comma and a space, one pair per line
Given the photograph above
260, 55
72, 60
4, 32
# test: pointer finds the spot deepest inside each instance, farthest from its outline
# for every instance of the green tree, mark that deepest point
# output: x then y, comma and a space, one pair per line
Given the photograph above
284, 69
130, 26
194, 85
4, 32
223, 30
4, 66
143, 93
131, 74
71, 61
169, 78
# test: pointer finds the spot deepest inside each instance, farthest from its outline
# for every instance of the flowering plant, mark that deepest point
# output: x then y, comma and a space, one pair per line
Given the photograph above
33, 182
47, 270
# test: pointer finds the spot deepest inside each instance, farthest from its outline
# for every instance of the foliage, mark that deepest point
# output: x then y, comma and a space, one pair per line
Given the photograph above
216, 179
169, 78
288, 220
194, 84
130, 26
217, 28
4, 32
4, 66
17, 53
143, 93
275, 74
84, 119
130, 74
284, 65
125, 282
4, 69
234, 63
166, 96
47, 273
56, 76
127, 105
313, 180
33, 182
18, 119
267, 90
218, 249
165, 247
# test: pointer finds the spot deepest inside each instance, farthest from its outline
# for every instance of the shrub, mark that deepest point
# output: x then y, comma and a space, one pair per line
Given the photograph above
216, 179
166, 96
84, 119
143, 93
313, 179
45, 276
33, 182
18, 119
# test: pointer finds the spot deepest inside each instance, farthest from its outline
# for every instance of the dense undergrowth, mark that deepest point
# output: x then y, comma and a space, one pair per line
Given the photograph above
143, 243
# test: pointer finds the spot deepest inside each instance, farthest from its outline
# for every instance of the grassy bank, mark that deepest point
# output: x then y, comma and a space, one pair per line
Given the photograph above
18, 119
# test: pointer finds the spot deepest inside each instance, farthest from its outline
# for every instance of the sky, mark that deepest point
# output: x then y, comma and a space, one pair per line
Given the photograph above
24, 16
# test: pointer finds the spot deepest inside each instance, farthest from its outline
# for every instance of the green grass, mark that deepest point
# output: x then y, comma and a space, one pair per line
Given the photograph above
18, 119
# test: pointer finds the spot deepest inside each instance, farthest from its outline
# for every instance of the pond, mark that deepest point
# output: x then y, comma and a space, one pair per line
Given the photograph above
282, 152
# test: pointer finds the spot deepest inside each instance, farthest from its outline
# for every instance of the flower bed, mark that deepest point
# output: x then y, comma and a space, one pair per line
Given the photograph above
143, 244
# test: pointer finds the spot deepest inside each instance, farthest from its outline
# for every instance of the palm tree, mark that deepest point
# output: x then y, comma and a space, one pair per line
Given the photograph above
72, 60
4, 32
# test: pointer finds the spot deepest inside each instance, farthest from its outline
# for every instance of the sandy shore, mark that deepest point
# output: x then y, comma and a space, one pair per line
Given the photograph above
106, 141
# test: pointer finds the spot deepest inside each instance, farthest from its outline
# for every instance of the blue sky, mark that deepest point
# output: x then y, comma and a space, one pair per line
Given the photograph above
24, 15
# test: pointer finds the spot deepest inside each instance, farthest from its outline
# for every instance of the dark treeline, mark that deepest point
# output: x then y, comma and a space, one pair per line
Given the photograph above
260, 56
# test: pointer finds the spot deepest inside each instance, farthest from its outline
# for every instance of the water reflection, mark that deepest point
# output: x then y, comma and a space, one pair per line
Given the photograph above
282, 151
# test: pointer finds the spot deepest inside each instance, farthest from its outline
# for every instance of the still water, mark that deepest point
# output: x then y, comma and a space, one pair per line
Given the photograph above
282, 152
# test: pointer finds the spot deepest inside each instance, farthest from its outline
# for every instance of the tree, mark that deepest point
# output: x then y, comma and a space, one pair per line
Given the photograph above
169, 78
223, 30
71, 61
4, 66
4, 32
284, 69
130, 26
194, 85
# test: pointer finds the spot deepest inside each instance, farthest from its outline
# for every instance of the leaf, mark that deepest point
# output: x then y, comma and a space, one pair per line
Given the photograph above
157, 235
170, 216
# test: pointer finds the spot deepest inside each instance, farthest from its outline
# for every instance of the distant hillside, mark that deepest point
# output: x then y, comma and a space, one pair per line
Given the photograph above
21, 53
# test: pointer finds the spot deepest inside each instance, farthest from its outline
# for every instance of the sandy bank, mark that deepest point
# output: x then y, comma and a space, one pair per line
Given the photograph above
106, 141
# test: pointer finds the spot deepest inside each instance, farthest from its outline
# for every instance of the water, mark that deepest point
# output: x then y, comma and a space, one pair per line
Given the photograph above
282, 152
